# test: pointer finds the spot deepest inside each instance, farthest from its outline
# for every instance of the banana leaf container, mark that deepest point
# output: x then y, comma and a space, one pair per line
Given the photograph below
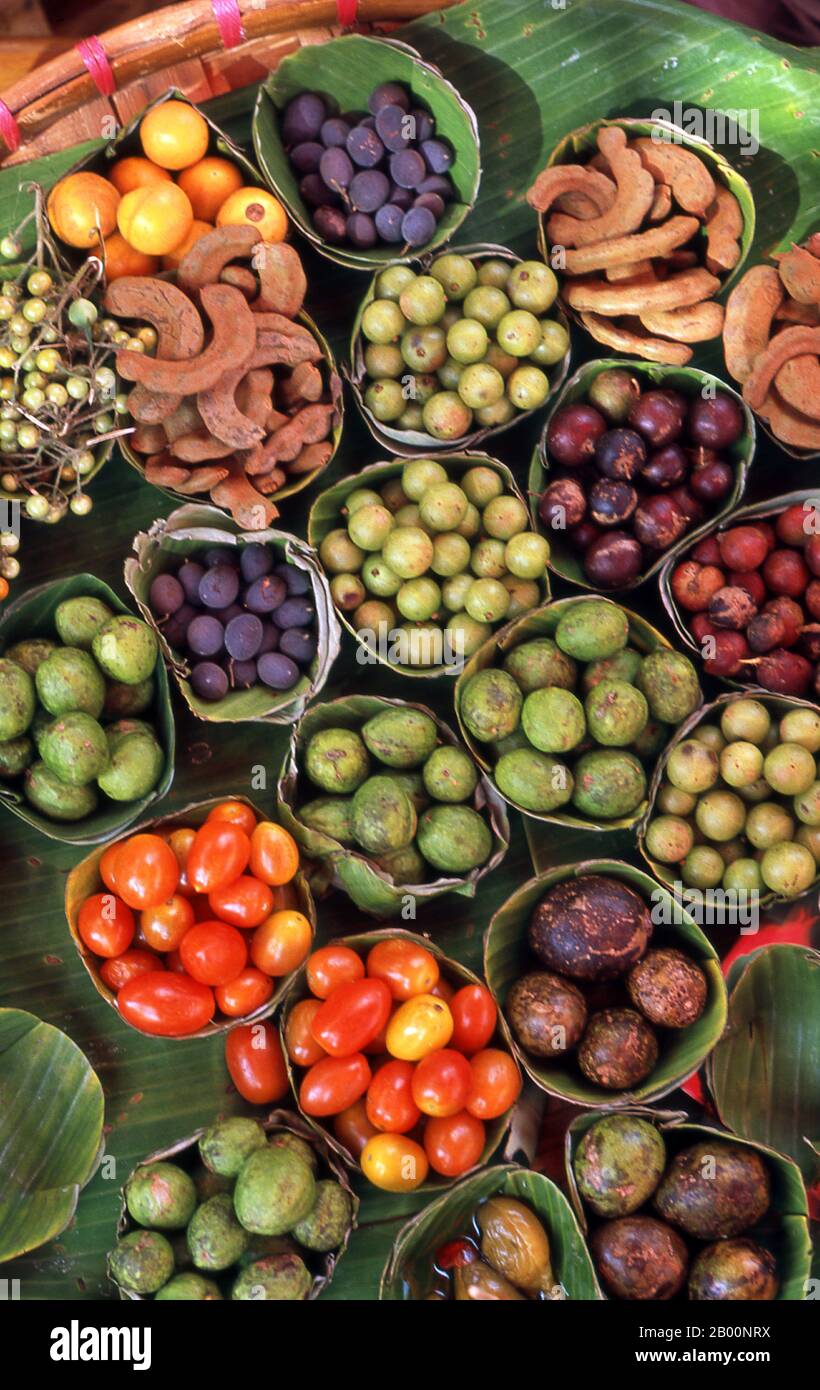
681, 1051
345, 71
32, 615
542, 622
778, 706
458, 976
784, 1230
185, 1153
85, 880
327, 513
565, 560
417, 443
410, 1276
186, 532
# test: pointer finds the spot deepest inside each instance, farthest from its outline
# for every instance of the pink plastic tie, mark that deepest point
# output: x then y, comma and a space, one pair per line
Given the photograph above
9, 129
229, 22
346, 11
93, 56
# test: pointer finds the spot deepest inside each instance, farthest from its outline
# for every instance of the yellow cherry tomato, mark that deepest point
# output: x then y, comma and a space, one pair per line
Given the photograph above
421, 1025
254, 207
174, 135
394, 1163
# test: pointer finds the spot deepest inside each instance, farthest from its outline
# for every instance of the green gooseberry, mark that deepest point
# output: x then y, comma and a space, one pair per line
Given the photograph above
756, 791
768, 824
745, 719
788, 869
418, 600
361, 497
481, 484
408, 551
553, 719
446, 416
375, 615
488, 305
741, 763
370, 525
524, 595
35, 310
393, 280
378, 577
411, 418
77, 388
807, 805
383, 321
347, 591
383, 360
422, 386
443, 507
480, 386
494, 272
467, 634
702, 867
451, 554
467, 341
487, 601
471, 525
487, 560
669, 839
743, 876
385, 400
450, 373
674, 802
454, 592
393, 494
420, 474
424, 349
527, 555
720, 815
809, 835
338, 554
423, 301
533, 286
505, 517
456, 274
503, 361
82, 313
692, 766
528, 387
492, 416
789, 769
519, 333
409, 516
554, 344
801, 726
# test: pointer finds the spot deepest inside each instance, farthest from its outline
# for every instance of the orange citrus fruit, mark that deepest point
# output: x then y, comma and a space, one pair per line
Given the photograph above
174, 135
195, 231
81, 207
136, 172
208, 184
254, 207
155, 219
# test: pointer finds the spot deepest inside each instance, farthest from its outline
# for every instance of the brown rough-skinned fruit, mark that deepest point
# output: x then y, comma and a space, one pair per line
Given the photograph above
734, 1269
668, 987
547, 1014
590, 928
618, 1050
714, 1190
639, 1257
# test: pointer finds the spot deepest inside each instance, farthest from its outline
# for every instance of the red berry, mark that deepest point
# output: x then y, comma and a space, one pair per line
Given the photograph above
702, 626
784, 673
456, 1254
791, 526
751, 581
693, 585
730, 650
786, 572
743, 548
811, 598
731, 607
791, 615
707, 551
613, 560
811, 554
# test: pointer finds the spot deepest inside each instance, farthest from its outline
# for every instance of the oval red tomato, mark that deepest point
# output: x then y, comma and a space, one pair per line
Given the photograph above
390, 1104
105, 924
334, 1084
165, 1004
146, 871
237, 813
254, 1058
442, 1082
454, 1143
218, 855
331, 966
213, 953
301, 1045
406, 967
120, 969
163, 927
352, 1016
496, 1084
352, 1127
243, 903
474, 1018
244, 994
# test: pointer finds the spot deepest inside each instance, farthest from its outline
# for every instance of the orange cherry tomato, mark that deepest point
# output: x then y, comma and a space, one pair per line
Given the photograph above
281, 943
244, 903
454, 1143
236, 813
442, 1082
274, 853
352, 1127
117, 971
107, 867
243, 995
163, 927
352, 1016
405, 966
256, 1063
421, 1025
300, 1043
146, 871
496, 1084
442, 989
213, 953
394, 1163
331, 966
333, 1084
218, 855
474, 1018
390, 1105
180, 842
165, 1004
105, 924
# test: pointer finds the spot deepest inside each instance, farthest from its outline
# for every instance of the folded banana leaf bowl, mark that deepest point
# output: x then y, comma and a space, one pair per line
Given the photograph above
32, 616
565, 559
85, 879
188, 532
681, 1051
416, 442
185, 1155
369, 883
330, 512
783, 1230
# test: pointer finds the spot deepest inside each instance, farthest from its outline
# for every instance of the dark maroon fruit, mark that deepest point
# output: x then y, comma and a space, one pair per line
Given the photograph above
297, 581
707, 552
590, 928
712, 483
277, 671
298, 644
659, 417
242, 674
266, 594
368, 190
715, 422
206, 635
811, 553
166, 595
175, 628
243, 636
270, 638
665, 467
219, 586
732, 607
659, 522
765, 632
433, 202
810, 642
618, 1049
786, 572
613, 560
562, 505
751, 581
189, 576
294, 612
218, 555
336, 169
583, 535
688, 504
620, 454
209, 681
316, 193
639, 1257
791, 614
572, 434
611, 503
361, 229
330, 223
729, 651
784, 672
811, 598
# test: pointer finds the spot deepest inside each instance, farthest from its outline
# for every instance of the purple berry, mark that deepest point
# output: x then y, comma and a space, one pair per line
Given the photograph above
209, 681
305, 157
243, 636
277, 671
298, 644
242, 674
166, 595
219, 586
254, 561
368, 190
265, 594
438, 155
402, 197
316, 193
407, 168
418, 226
388, 94
270, 639
364, 147
331, 224
393, 127
294, 612
336, 169
303, 118
297, 581
334, 132
361, 229
189, 576
388, 222
433, 202
206, 635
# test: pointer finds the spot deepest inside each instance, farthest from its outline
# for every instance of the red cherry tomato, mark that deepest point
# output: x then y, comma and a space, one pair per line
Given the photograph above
454, 1143
474, 1018
405, 966
244, 903
107, 867
163, 927
244, 994
120, 969
352, 1127
146, 871
274, 854
496, 1084
213, 953
331, 966
442, 1082
173, 962
219, 854
236, 813
165, 1004
334, 1084
105, 924
300, 1043
352, 1016
254, 1058
442, 989
180, 841
390, 1104
378, 1045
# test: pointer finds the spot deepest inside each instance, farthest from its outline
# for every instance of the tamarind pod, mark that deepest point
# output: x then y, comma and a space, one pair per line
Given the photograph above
148, 439
254, 395
634, 270
186, 419
283, 350
661, 203
791, 311
274, 420
311, 458
241, 278
282, 280
724, 227
747, 326
792, 342
222, 415
232, 344
202, 480
798, 385
199, 446
813, 244
800, 272
688, 287
149, 407
562, 179
304, 384
692, 324
308, 426
208, 256
693, 187
635, 192
180, 331
579, 204
681, 260
246, 505
603, 330
271, 482
657, 241
787, 424
160, 473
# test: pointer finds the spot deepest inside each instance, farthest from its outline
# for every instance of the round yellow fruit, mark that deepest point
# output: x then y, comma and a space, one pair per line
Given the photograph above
208, 184
136, 172
174, 135
254, 207
82, 208
155, 219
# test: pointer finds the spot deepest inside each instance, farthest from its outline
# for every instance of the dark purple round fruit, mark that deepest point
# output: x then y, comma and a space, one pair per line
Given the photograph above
294, 612
364, 147
438, 155
175, 628
687, 503
166, 595
243, 636
590, 928
418, 226
547, 1014
189, 576
206, 635
572, 434
613, 560
403, 198
303, 118
424, 127
277, 671
265, 594
254, 561
219, 586
218, 555
612, 502
242, 674
438, 183
388, 221
639, 1257
334, 133
433, 202
368, 190
305, 157
563, 504
620, 454
270, 638
712, 483
618, 1050
407, 168
388, 94
716, 423
666, 467
316, 193
297, 581
361, 229
586, 533
226, 614
331, 224
298, 644
393, 128
336, 170
659, 417
658, 522
209, 681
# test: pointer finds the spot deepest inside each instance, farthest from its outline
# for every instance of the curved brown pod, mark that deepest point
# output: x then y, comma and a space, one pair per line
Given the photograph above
180, 332
222, 415
232, 344
282, 281
208, 256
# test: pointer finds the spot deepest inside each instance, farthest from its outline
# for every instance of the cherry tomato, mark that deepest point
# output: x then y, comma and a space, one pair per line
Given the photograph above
243, 995
244, 903
394, 1163
442, 1082
173, 961
163, 927
378, 1045
474, 1018
421, 1025
213, 953
454, 1143
107, 867
105, 924
219, 854
165, 1004
274, 853
300, 1043
282, 942
405, 966
331, 966
254, 1058
390, 1104
352, 1127
146, 871
442, 989
496, 1084
180, 841
236, 813
352, 1016
333, 1084
117, 971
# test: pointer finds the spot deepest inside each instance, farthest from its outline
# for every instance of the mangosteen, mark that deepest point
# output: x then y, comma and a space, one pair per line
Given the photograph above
613, 560
639, 1257
687, 503
732, 607
618, 1050
614, 392
618, 1164
547, 1014
620, 454
659, 522
612, 502
668, 988
715, 422
590, 928
712, 483
666, 467
572, 433
734, 1269
562, 504
714, 1189
659, 417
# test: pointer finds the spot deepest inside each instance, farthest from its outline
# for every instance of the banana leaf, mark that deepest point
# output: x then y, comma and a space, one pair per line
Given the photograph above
411, 443
565, 560
84, 880
371, 887
764, 1072
784, 1230
410, 1275
186, 532
345, 71
51, 1140
327, 513
32, 615
681, 1050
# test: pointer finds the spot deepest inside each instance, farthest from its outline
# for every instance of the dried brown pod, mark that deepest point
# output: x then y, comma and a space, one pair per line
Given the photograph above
789, 425
222, 416
693, 187
148, 439
231, 345
180, 331
800, 272
750, 309
636, 191
149, 408
162, 473
237, 495
571, 180
202, 480
635, 270
724, 228
657, 241
694, 323
208, 256
661, 203
282, 280
798, 383
792, 342
636, 344
679, 290
199, 446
